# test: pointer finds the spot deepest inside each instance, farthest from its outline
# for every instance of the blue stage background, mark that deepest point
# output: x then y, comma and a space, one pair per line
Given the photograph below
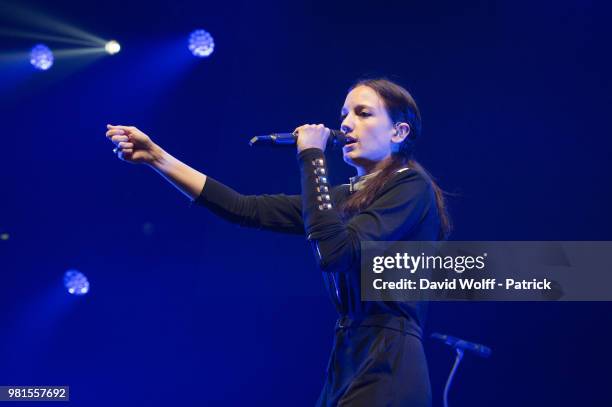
186, 309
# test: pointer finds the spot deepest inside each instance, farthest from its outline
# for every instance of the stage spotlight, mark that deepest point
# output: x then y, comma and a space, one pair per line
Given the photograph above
76, 283
201, 43
41, 57
112, 47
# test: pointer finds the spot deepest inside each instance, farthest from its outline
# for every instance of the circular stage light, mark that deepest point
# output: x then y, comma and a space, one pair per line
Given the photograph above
112, 47
41, 57
201, 43
76, 283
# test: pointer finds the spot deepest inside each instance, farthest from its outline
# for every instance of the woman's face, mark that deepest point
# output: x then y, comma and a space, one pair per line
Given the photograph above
368, 128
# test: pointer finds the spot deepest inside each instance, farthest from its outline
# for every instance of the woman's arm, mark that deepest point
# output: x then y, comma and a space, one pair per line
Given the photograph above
401, 206
186, 179
281, 213
136, 147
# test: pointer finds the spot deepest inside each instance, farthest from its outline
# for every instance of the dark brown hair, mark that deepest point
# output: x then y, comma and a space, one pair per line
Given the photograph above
400, 107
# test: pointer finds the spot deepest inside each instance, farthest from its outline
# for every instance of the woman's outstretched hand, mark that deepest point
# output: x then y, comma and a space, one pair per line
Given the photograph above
131, 144
312, 136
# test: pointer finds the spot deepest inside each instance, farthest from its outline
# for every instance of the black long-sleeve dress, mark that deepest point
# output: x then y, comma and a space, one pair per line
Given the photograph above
377, 358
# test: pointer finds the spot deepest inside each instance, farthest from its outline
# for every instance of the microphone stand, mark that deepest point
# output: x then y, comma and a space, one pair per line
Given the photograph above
451, 375
460, 346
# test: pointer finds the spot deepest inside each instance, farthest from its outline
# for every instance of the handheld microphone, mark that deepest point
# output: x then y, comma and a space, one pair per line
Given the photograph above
336, 139
480, 350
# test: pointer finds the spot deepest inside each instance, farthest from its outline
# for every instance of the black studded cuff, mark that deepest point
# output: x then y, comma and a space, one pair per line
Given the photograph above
317, 203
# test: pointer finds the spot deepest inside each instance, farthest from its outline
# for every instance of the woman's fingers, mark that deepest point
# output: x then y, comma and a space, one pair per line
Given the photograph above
126, 129
125, 139
123, 154
124, 145
114, 132
117, 139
